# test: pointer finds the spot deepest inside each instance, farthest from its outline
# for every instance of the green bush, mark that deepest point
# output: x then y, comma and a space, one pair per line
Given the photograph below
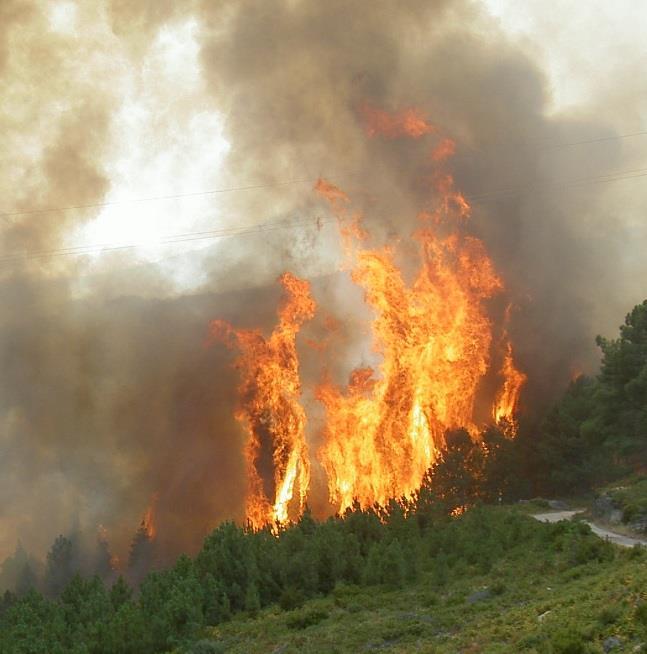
568, 641
291, 598
207, 647
609, 615
302, 619
640, 614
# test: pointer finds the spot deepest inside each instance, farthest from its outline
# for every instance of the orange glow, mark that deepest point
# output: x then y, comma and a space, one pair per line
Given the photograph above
432, 332
434, 336
269, 407
444, 150
384, 432
407, 122
102, 537
576, 372
148, 519
505, 405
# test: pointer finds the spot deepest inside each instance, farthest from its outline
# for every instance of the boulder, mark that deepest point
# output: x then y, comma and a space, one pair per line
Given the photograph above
611, 643
606, 508
639, 524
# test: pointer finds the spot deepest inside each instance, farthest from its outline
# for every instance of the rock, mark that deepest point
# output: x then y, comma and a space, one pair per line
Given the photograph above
543, 616
604, 507
611, 643
639, 524
479, 596
558, 505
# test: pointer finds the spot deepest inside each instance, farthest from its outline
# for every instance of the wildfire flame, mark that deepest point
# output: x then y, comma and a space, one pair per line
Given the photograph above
269, 408
407, 122
513, 380
382, 434
147, 524
434, 336
386, 428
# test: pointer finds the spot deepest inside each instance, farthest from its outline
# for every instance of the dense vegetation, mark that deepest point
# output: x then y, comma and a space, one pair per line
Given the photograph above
415, 546
538, 597
429, 550
598, 431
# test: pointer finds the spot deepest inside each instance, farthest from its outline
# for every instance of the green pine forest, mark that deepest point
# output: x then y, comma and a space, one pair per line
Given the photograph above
458, 567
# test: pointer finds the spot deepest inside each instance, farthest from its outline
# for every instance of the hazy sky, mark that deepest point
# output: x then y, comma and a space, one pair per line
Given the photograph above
586, 45
585, 49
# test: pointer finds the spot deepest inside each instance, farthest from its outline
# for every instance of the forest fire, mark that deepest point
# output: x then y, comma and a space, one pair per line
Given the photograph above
435, 336
269, 409
147, 524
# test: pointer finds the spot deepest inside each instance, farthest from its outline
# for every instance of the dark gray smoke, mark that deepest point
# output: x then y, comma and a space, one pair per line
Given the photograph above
108, 393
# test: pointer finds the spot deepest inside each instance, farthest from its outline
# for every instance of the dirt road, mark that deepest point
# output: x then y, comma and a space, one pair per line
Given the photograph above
618, 539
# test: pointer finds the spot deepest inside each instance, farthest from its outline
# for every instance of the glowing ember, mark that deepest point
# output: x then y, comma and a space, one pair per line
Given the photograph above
269, 409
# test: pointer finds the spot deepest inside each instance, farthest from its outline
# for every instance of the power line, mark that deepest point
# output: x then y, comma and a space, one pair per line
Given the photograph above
229, 232
176, 238
597, 179
155, 198
600, 139
185, 237
251, 187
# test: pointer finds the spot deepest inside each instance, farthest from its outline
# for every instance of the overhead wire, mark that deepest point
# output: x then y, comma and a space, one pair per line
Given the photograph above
251, 187
153, 198
184, 237
595, 179
241, 231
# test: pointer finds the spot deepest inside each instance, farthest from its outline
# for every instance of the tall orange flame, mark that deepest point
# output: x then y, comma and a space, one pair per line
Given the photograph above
270, 410
434, 337
382, 434
508, 396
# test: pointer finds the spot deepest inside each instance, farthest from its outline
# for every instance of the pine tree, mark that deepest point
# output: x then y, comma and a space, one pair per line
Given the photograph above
140, 559
60, 566
373, 568
393, 571
120, 593
216, 606
440, 569
26, 580
252, 600
102, 564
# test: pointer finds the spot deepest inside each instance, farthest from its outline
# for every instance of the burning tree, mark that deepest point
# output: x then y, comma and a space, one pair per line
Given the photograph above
142, 547
436, 338
269, 408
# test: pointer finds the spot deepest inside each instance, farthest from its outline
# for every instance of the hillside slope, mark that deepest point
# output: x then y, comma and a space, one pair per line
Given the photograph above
578, 595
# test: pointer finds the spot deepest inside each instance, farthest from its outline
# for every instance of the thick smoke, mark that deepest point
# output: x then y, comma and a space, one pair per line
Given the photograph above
108, 392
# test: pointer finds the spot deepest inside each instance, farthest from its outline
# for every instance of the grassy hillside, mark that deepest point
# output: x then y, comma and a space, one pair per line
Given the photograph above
564, 591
